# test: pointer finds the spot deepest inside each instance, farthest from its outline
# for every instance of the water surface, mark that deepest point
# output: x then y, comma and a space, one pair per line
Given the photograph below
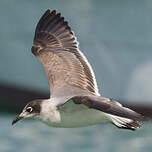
33, 136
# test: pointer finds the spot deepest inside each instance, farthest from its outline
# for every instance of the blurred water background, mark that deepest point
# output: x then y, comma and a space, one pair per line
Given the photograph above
115, 36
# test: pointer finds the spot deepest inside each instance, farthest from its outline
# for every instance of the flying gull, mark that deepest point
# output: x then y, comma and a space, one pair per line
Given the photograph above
74, 98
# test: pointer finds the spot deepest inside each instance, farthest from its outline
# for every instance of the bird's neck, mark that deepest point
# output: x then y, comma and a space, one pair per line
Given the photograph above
49, 112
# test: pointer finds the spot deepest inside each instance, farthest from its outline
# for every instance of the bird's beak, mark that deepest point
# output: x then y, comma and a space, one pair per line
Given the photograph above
18, 118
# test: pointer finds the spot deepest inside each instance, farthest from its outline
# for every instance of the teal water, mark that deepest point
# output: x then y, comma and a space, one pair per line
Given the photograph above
34, 136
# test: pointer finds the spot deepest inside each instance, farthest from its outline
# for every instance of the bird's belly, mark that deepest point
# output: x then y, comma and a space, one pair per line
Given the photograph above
76, 115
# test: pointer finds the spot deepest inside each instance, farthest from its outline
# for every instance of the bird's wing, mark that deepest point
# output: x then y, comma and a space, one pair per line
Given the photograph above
57, 49
107, 106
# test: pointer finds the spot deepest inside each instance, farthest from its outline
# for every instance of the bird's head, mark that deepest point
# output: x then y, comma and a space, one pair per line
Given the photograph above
31, 110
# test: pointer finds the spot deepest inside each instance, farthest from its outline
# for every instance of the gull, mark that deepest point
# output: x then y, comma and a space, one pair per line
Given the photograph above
74, 98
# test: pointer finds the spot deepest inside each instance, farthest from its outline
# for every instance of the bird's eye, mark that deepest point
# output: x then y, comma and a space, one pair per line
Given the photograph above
29, 109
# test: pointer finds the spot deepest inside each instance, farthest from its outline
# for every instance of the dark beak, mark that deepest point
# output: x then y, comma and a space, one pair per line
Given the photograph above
16, 120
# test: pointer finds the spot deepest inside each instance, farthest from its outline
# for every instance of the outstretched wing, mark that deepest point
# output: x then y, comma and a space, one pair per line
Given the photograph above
57, 49
106, 105
120, 116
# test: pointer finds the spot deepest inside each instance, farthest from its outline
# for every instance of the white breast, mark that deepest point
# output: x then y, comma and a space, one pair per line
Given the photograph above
49, 113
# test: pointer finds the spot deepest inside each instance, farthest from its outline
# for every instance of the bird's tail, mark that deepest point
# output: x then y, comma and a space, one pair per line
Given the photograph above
122, 122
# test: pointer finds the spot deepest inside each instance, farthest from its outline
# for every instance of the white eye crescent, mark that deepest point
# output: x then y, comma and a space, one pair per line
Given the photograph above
29, 109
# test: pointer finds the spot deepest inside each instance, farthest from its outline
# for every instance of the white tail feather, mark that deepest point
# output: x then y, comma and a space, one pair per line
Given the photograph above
125, 123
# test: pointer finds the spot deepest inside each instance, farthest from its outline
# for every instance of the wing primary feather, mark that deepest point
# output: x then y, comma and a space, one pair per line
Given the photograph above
42, 21
107, 106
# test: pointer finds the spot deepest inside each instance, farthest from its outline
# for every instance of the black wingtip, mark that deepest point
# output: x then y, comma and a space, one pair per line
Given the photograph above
53, 31
48, 11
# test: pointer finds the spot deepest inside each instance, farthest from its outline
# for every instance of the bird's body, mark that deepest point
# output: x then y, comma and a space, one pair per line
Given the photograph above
74, 98
71, 115
74, 116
